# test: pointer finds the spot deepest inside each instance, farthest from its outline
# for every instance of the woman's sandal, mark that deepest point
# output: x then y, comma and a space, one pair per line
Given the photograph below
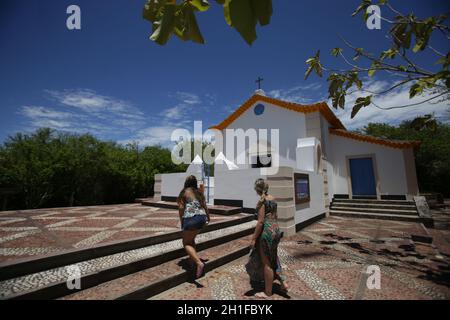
262, 295
200, 271
284, 287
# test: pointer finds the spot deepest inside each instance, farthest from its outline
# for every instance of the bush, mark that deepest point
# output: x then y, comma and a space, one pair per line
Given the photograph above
52, 169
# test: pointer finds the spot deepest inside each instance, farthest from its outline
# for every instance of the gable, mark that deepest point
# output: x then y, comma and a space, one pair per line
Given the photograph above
321, 107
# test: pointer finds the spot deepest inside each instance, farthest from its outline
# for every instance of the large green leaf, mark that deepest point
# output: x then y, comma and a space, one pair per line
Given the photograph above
263, 10
226, 12
186, 27
194, 33
165, 26
152, 9
361, 102
200, 5
243, 19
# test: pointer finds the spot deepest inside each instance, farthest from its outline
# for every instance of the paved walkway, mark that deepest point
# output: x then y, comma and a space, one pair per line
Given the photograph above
38, 232
329, 260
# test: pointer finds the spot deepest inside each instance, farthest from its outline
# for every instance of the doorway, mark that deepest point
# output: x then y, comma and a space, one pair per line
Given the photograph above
362, 177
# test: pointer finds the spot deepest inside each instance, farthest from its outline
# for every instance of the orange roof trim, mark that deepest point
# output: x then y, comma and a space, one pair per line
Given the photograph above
398, 144
322, 107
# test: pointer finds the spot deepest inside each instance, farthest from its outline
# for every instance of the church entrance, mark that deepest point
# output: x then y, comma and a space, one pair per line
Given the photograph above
362, 178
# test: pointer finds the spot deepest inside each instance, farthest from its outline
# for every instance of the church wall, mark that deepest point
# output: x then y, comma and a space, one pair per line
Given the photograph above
389, 165
237, 185
291, 127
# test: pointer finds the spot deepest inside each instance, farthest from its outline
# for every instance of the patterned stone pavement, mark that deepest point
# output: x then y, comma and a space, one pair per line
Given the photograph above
38, 280
38, 232
330, 260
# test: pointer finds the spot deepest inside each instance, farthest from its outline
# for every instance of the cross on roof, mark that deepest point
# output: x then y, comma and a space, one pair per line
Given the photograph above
258, 81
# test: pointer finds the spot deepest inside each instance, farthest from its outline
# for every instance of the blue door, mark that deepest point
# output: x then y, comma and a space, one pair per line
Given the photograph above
363, 177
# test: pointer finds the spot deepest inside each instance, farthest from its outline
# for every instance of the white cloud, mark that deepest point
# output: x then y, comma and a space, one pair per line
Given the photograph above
188, 98
85, 111
43, 112
174, 113
398, 97
158, 135
186, 103
301, 94
101, 106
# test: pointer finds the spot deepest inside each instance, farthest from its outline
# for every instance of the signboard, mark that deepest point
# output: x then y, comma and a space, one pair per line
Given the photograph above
301, 185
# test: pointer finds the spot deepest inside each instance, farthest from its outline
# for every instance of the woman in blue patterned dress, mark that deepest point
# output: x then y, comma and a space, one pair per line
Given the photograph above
194, 216
264, 264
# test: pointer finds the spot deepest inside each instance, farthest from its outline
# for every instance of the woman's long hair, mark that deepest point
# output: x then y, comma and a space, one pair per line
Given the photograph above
191, 183
262, 189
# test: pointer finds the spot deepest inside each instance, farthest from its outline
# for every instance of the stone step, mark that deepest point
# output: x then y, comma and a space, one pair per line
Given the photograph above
50, 284
376, 205
149, 282
355, 214
373, 210
398, 202
213, 209
17, 268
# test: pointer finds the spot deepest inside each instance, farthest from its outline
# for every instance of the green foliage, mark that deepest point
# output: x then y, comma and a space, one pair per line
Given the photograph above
433, 156
54, 169
408, 35
169, 17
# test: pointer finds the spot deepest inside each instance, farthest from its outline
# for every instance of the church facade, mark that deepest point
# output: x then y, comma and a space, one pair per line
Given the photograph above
316, 158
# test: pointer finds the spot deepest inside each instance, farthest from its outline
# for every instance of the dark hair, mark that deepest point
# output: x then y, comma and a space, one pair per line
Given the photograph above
191, 183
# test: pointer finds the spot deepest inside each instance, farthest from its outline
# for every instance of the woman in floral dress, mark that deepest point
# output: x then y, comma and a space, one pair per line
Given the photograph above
264, 264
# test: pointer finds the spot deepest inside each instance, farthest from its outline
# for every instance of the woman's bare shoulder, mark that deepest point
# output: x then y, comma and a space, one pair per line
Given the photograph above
188, 193
270, 197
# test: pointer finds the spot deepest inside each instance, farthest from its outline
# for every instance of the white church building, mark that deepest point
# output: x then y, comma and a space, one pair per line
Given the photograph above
318, 160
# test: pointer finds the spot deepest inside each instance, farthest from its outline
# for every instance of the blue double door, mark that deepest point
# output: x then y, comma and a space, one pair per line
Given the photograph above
363, 178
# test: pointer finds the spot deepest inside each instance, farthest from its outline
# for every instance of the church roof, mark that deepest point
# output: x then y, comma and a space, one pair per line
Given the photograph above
397, 144
321, 107
337, 128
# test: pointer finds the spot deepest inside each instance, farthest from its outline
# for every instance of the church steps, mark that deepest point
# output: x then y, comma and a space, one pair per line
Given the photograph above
401, 210
385, 216
374, 201
50, 284
152, 281
213, 209
17, 268
336, 207
375, 205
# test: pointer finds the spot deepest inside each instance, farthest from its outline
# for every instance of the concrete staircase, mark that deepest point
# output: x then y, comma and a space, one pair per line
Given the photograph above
401, 210
133, 269
213, 209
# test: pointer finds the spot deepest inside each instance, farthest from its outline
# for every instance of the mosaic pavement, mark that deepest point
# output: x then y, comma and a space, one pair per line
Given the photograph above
330, 260
44, 231
57, 275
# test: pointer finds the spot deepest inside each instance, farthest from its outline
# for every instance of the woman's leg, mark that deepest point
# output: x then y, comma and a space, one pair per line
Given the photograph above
268, 272
279, 276
189, 245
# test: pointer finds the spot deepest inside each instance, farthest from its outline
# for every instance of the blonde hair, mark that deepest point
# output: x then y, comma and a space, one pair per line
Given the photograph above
261, 188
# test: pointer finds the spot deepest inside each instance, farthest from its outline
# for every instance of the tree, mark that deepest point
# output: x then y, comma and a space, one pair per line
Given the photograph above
408, 35
52, 169
179, 17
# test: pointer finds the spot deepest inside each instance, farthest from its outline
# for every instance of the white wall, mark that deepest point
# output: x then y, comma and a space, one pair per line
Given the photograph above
237, 185
316, 205
291, 126
389, 164
173, 183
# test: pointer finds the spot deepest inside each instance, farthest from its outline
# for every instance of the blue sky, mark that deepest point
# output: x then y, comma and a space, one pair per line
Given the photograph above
110, 80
